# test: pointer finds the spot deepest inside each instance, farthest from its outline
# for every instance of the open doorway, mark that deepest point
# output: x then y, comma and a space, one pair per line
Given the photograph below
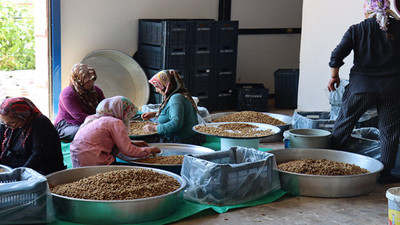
24, 55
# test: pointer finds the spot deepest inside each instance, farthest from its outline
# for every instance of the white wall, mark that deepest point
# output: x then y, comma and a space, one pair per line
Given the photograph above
324, 23
88, 25
259, 56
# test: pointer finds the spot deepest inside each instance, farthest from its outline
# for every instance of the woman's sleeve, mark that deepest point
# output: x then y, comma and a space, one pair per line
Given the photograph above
39, 135
176, 115
342, 50
73, 106
123, 142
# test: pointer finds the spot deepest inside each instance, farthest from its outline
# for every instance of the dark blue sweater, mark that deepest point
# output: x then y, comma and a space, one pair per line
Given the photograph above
376, 63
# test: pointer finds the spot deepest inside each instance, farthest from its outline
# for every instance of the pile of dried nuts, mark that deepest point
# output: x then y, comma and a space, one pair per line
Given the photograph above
234, 130
250, 116
136, 128
321, 167
119, 185
163, 160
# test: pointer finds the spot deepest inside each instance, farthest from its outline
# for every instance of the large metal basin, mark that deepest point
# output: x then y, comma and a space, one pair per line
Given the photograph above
274, 138
111, 212
327, 186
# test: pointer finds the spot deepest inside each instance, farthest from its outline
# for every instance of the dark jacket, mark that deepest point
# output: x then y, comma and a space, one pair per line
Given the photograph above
42, 150
376, 59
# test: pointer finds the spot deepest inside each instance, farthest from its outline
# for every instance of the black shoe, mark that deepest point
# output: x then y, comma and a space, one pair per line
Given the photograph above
388, 179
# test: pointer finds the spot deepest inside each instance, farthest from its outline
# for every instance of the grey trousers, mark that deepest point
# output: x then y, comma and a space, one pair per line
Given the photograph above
354, 106
66, 131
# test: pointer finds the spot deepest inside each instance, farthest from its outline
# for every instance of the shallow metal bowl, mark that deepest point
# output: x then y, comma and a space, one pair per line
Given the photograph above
274, 138
114, 211
327, 186
169, 149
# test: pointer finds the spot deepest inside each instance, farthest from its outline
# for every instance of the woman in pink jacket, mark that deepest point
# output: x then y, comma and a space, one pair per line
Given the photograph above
105, 133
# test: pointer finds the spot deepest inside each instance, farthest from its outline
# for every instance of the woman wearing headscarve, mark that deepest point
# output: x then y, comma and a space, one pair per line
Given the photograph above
28, 138
177, 113
105, 132
374, 80
77, 101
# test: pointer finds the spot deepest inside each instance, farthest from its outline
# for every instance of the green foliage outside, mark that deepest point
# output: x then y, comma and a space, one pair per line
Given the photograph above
17, 39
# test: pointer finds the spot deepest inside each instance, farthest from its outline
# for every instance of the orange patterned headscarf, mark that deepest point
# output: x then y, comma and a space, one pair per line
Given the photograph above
170, 82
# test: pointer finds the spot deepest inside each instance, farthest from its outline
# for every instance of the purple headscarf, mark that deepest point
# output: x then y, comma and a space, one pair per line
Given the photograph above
380, 9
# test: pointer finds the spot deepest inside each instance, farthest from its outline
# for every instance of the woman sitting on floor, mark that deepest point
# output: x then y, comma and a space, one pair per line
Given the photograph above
28, 138
105, 134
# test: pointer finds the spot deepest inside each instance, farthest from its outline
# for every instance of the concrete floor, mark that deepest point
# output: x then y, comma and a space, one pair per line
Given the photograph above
369, 209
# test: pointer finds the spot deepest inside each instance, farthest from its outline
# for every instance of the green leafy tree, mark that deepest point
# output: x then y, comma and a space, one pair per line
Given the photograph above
17, 39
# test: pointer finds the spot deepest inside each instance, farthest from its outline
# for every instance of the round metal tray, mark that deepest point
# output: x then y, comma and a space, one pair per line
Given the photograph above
111, 212
170, 149
261, 127
274, 138
327, 186
119, 74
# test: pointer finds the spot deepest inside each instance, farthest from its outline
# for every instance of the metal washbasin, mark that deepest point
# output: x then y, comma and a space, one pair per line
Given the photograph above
112, 211
327, 186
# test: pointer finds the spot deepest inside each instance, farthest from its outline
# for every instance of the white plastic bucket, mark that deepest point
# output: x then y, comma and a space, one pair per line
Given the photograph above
307, 138
393, 196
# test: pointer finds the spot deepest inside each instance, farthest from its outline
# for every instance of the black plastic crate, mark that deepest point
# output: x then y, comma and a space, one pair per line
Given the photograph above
202, 32
224, 100
252, 97
200, 79
163, 31
227, 31
225, 77
200, 55
286, 88
162, 56
226, 55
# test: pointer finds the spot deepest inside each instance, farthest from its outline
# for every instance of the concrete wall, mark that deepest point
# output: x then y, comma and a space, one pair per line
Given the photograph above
90, 25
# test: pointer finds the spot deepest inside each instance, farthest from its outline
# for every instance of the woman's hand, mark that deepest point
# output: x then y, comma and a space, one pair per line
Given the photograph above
140, 143
332, 82
148, 115
150, 128
154, 150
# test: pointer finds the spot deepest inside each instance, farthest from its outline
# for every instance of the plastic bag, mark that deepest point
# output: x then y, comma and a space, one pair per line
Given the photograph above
25, 197
229, 177
335, 98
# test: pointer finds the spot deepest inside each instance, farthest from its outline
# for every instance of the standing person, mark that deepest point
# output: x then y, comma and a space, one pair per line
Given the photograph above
28, 138
374, 80
177, 113
77, 101
106, 132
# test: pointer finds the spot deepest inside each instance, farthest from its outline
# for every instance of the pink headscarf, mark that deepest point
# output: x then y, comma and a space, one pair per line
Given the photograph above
380, 9
117, 106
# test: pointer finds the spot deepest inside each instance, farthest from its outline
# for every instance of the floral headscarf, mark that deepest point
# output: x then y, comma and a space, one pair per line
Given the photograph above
117, 106
170, 82
380, 9
18, 108
80, 75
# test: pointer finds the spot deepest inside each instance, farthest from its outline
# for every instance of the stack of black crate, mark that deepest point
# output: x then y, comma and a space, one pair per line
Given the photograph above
195, 48
224, 78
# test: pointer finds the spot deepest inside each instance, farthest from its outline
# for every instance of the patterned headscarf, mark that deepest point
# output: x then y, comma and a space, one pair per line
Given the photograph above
380, 9
170, 82
18, 108
81, 74
117, 106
